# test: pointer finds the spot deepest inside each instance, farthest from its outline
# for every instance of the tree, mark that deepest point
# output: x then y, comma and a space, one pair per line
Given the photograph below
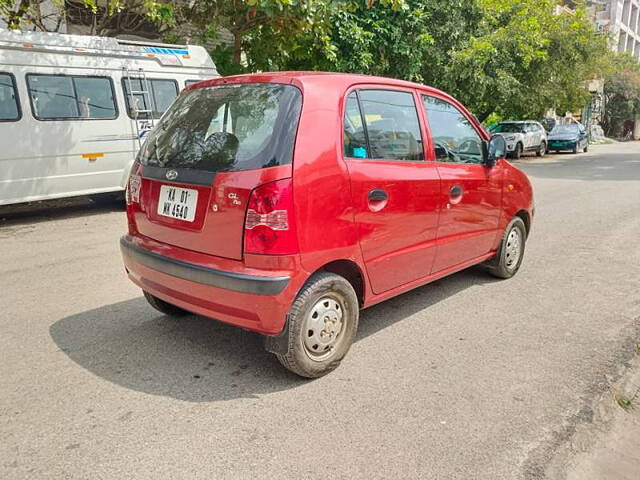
394, 38
527, 57
103, 17
261, 29
621, 94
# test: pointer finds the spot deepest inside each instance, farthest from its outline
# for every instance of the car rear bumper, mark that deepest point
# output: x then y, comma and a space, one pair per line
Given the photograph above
218, 288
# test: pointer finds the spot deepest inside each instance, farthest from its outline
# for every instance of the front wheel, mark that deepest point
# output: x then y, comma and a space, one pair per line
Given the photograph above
517, 152
323, 321
507, 261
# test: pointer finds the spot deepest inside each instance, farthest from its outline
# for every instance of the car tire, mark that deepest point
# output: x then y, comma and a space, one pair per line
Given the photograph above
323, 321
575, 149
586, 147
517, 152
542, 149
510, 253
164, 307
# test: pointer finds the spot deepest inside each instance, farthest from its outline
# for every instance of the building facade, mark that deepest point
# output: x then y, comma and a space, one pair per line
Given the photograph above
620, 19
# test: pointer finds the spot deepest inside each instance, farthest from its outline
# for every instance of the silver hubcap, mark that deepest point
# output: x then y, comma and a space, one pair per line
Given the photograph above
322, 329
513, 249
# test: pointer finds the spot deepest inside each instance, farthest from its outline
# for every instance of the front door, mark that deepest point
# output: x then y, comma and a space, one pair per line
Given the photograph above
396, 193
471, 192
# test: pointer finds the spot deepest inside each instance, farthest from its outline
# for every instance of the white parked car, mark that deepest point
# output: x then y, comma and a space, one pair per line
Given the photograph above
522, 136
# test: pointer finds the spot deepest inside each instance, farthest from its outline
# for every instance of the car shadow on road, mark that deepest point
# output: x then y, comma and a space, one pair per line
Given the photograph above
196, 359
36, 212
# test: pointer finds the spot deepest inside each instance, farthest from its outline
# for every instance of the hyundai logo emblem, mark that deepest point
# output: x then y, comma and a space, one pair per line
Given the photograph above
171, 175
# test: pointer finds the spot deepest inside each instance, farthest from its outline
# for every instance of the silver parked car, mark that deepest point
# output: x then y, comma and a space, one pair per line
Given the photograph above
522, 136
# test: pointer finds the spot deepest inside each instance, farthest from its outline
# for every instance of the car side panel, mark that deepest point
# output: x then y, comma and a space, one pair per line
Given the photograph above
321, 186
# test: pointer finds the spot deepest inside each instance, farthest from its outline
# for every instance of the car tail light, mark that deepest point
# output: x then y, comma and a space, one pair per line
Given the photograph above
269, 225
134, 185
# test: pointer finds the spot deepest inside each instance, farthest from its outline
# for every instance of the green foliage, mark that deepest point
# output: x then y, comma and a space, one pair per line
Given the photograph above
621, 94
104, 18
525, 59
503, 58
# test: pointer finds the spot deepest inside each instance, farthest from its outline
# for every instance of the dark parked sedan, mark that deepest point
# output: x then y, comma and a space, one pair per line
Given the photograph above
571, 137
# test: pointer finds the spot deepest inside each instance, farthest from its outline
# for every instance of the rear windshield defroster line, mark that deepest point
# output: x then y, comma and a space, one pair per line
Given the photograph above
226, 128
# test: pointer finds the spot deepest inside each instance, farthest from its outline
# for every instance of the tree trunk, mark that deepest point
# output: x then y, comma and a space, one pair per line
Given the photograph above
237, 48
484, 115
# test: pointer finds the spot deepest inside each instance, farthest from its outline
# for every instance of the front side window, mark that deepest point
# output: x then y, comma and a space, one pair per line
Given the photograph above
454, 138
150, 98
9, 108
66, 97
226, 128
392, 125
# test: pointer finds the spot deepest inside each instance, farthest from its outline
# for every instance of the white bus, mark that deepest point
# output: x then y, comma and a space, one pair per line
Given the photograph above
73, 109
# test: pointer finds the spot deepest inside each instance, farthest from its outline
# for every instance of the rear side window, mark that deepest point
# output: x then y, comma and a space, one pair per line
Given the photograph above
9, 106
455, 139
227, 128
66, 97
148, 99
391, 126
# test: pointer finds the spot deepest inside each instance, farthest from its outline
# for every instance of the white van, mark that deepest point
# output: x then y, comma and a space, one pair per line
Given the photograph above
74, 109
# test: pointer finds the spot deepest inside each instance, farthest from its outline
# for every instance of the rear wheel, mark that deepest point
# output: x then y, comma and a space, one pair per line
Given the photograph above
323, 321
164, 307
542, 149
507, 261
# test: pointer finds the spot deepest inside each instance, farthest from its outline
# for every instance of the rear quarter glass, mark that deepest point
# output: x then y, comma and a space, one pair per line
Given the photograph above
227, 128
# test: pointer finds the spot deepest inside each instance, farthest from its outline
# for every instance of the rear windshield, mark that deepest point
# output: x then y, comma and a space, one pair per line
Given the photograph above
565, 129
226, 128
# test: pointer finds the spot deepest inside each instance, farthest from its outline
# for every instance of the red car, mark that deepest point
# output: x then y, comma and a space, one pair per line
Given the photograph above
284, 203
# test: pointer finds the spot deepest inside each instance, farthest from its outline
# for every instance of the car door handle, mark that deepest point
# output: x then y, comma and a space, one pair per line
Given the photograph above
456, 191
378, 195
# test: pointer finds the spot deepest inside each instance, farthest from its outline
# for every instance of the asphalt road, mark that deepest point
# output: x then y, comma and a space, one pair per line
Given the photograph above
467, 378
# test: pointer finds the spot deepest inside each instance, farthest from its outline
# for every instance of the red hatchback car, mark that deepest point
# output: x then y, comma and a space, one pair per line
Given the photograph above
284, 203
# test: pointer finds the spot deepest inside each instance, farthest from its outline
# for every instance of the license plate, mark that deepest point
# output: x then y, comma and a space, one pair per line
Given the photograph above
176, 202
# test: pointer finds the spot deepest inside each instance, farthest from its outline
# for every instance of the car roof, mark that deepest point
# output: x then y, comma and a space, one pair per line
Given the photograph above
302, 77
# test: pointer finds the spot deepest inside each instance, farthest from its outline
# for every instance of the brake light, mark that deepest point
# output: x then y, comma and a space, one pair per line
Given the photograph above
134, 185
269, 226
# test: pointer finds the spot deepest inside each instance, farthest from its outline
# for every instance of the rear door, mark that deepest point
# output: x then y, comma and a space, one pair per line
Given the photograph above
210, 150
396, 193
471, 192
534, 135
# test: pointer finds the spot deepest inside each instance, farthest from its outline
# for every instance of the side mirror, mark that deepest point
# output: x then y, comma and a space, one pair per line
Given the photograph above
494, 150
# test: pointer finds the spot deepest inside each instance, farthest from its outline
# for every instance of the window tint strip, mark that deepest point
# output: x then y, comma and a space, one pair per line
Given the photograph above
364, 125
